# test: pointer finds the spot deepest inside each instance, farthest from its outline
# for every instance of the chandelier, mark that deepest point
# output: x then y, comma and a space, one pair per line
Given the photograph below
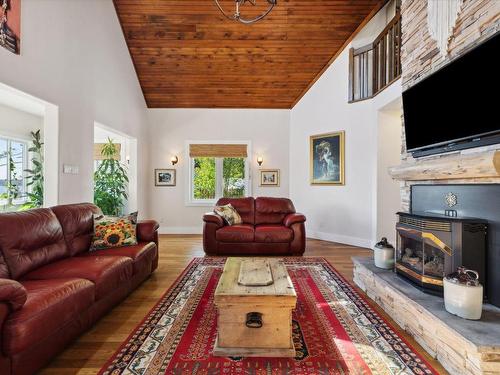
236, 16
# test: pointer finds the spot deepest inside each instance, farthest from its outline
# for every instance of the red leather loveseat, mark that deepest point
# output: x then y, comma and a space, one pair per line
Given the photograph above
270, 227
52, 288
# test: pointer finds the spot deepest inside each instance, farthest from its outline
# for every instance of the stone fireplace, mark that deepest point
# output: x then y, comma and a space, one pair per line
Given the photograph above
455, 172
462, 346
429, 186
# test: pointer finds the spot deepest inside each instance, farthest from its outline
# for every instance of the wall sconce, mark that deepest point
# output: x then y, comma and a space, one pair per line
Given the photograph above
174, 159
260, 160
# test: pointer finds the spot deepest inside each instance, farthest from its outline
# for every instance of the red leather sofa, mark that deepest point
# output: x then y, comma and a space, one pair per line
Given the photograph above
270, 227
52, 288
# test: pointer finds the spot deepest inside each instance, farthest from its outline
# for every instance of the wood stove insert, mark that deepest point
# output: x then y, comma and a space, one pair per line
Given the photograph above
430, 246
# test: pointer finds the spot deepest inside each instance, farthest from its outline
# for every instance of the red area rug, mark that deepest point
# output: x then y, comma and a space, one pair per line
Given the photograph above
335, 330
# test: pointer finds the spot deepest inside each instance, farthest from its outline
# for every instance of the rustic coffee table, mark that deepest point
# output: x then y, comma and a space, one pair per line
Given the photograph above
255, 298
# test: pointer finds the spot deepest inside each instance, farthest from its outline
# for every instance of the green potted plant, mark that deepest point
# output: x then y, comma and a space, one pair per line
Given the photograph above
12, 190
35, 174
110, 182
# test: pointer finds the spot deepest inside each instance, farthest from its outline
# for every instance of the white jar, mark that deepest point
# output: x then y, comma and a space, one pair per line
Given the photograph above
463, 295
383, 254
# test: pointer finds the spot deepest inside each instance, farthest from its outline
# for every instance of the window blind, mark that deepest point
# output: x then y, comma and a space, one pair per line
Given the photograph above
218, 150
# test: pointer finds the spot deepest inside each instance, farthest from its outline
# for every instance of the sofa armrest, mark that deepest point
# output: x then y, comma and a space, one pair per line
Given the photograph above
12, 293
210, 217
291, 219
147, 230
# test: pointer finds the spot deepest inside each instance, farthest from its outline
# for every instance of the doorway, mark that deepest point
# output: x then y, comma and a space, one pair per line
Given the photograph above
389, 143
24, 117
126, 147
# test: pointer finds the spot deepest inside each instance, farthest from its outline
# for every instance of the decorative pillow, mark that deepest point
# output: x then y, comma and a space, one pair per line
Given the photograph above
229, 214
114, 231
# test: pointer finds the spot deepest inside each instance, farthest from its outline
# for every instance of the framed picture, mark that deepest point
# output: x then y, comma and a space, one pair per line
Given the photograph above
327, 158
10, 25
269, 177
165, 177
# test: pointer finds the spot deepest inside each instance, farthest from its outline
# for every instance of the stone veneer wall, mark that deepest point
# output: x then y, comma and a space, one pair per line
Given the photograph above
477, 20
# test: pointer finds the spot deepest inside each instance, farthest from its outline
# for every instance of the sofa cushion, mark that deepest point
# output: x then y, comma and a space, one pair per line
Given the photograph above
50, 304
229, 214
273, 233
141, 254
106, 272
114, 231
244, 207
235, 233
30, 240
272, 210
77, 221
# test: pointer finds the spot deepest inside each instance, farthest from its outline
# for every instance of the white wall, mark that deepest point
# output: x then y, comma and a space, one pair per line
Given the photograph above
346, 214
268, 131
73, 54
18, 124
389, 143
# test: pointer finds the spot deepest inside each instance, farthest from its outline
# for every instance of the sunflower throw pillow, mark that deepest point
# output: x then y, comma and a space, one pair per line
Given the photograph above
113, 231
229, 214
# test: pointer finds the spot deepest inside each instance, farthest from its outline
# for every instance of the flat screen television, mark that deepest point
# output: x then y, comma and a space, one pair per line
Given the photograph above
458, 106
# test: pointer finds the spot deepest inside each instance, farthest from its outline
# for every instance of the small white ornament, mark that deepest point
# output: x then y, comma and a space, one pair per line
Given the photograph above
451, 199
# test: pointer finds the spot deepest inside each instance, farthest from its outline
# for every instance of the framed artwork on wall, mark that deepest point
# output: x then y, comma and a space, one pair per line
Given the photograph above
327, 158
269, 177
165, 177
10, 25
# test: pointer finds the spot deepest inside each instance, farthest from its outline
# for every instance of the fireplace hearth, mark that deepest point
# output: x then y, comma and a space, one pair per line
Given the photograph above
430, 246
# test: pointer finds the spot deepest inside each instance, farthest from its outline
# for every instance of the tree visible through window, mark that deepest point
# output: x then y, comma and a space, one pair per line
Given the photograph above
204, 178
213, 178
233, 174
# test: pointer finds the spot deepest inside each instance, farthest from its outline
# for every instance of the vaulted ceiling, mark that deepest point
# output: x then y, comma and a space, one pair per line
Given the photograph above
187, 55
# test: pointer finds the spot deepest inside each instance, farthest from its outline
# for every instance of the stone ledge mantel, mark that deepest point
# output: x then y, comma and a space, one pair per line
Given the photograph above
463, 347
485, 164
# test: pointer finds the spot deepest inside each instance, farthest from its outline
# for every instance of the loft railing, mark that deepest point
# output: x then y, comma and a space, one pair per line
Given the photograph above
375, 66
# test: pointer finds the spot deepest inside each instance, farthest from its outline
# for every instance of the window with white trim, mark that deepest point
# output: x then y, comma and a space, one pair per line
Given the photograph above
216, 171
13, 162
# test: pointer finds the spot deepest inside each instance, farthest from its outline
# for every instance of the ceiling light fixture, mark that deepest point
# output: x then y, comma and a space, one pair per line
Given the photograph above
237, 15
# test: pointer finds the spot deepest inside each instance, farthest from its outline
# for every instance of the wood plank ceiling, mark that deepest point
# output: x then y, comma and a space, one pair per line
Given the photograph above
187, 55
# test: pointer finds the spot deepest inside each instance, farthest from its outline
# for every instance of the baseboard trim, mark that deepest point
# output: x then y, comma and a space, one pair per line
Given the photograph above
180, 230
331, 237
348, 240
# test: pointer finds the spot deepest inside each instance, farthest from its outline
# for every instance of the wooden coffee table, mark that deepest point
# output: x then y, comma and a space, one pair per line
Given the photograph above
255, 298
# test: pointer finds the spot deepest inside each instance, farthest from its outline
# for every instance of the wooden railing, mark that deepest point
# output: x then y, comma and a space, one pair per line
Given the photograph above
376, 65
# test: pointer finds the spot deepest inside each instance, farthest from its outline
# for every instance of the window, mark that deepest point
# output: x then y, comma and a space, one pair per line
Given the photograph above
13, 162
218, 170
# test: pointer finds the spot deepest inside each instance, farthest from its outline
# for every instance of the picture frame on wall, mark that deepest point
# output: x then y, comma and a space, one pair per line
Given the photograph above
165, 177
10, 25
270, 177
327, 159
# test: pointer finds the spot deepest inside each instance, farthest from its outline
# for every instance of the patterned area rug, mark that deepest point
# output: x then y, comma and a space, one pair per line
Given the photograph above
335, 330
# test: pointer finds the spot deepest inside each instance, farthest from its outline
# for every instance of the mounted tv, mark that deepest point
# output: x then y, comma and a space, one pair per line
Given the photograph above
458, 106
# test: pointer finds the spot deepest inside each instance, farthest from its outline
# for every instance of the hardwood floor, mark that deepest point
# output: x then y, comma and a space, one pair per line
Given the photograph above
94, 348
